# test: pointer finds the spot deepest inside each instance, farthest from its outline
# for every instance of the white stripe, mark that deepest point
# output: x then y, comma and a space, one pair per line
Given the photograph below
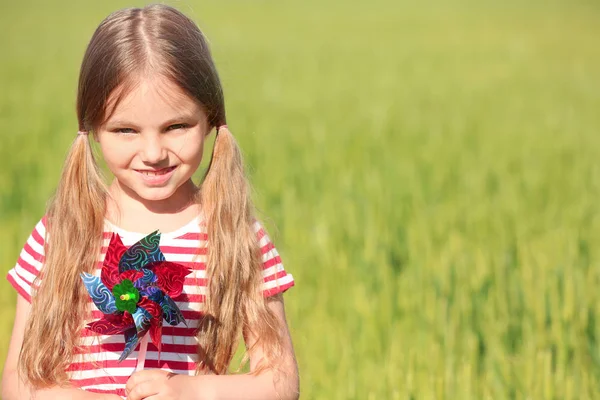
38, 248
107, 339
272, 270
26, 286
27, 276
30, 260
278, 282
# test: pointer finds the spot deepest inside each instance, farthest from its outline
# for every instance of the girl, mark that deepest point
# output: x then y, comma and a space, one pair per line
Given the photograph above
149, 94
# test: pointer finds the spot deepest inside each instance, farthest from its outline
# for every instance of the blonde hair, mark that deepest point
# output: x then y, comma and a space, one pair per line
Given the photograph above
130, 42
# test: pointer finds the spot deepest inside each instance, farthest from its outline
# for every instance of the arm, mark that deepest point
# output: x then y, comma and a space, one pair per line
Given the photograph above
14, 388
265, 386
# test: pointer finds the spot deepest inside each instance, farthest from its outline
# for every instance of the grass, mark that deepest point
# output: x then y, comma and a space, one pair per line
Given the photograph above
430, 173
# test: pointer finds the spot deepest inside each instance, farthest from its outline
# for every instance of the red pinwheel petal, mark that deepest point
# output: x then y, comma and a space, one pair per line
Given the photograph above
110, 266
110, 326
131, 274
109, 276
127, 318
115, 251
152, 307
171, 277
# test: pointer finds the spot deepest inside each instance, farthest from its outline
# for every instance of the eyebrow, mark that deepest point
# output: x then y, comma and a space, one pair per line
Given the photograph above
120, 122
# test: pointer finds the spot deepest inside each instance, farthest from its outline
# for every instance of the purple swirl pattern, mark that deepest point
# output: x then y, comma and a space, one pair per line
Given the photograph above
147, 280
100, 294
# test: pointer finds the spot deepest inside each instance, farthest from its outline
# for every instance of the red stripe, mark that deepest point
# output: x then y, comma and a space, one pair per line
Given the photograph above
278, 289
271, 262
267, 247
37, 237
27, 267
194, 266
195, 282
18, 287
277, 275
90, 365
190, 298
260, 234
166, 330
119, 347
172, 365
120, 392
34, 254
128, 363
194, 236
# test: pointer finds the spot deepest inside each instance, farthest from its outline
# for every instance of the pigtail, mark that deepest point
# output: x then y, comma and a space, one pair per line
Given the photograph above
75, 221
234, 267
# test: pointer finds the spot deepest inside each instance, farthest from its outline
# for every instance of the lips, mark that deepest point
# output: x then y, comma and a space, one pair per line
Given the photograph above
155, 177
155, 172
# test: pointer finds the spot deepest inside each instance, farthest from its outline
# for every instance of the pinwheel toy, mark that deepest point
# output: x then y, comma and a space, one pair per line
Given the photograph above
135, 293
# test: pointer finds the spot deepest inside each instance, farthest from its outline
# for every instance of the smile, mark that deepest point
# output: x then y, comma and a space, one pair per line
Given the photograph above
156, 177
159, 172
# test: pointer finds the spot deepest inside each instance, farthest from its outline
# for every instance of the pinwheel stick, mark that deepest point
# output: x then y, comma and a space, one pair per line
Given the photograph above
142, 353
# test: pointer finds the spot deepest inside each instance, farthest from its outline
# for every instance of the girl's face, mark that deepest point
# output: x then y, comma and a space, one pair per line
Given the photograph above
153, 141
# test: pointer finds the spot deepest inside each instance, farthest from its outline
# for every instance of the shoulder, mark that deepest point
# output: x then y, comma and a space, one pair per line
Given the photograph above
31, 259
275, 277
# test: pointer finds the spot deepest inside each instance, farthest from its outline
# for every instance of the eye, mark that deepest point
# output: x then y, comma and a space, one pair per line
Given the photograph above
177, 126
124, 131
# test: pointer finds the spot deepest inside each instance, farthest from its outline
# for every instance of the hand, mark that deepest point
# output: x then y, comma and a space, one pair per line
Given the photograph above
156, 384
109, 397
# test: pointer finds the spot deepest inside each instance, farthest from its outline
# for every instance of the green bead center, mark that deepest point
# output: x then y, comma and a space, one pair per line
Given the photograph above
126, 296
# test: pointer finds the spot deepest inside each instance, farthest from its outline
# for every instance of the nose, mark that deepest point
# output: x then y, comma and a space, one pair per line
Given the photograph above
153, 150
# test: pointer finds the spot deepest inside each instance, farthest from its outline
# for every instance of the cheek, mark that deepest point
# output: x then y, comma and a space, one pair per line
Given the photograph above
192, 152
114, 153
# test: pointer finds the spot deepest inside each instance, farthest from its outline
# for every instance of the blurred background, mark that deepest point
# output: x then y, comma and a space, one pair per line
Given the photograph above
428, 170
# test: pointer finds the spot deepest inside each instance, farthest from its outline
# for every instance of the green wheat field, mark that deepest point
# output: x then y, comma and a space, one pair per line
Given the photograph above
430, 172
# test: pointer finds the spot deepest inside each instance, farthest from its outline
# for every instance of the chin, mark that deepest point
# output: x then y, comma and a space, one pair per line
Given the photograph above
148, 193
156, 194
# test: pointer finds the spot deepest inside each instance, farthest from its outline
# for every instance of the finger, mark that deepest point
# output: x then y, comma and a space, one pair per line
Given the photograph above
143, 390
138, 377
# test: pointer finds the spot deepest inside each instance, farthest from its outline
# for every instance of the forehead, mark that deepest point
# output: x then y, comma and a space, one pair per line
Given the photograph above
150, 101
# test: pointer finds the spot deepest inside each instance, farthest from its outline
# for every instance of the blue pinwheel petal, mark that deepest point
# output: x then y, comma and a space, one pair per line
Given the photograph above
142, 320
171, 313
142, 253
146, 280
153, 293
100, 294
131, 341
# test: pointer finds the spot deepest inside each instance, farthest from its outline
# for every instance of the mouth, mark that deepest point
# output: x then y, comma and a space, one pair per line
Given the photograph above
155, 172
156, 177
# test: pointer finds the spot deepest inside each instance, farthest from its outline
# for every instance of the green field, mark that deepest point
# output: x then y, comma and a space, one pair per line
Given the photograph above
430, 172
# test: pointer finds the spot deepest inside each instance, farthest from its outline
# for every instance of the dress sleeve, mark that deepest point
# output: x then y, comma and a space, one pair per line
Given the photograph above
29, 264
275, 277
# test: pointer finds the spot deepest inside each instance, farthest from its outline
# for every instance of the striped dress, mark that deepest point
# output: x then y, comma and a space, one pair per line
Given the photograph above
96, 367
